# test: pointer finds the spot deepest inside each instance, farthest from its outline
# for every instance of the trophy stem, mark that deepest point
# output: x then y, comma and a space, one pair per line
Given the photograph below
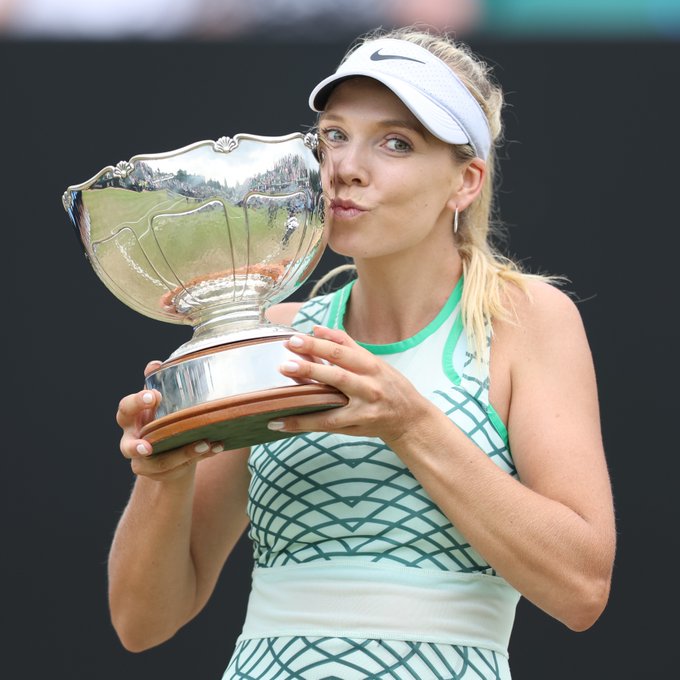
234, 316
223, 323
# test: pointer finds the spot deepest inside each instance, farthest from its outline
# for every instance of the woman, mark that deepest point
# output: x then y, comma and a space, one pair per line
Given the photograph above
394, 536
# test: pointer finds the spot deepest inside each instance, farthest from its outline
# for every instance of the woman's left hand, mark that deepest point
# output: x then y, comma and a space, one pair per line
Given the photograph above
382, 402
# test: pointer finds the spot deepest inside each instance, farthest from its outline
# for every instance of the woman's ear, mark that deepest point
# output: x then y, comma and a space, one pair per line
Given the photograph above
471, 183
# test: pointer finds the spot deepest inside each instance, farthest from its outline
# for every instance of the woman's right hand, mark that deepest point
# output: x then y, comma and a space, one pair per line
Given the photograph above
134, 412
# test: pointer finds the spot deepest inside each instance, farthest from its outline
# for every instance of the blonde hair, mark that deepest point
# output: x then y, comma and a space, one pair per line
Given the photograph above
486, 271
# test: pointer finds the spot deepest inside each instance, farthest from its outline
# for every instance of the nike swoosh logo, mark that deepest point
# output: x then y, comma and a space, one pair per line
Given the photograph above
376, 56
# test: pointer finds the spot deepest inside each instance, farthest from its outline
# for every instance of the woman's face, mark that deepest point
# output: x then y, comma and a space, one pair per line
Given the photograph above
392, 185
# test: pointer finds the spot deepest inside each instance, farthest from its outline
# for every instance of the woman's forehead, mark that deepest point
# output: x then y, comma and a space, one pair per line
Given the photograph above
365, 95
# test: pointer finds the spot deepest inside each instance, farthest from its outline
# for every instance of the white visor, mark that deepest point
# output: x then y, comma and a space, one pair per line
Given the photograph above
423, 82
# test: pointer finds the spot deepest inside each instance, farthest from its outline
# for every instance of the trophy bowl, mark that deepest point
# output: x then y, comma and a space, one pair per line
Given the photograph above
211, 235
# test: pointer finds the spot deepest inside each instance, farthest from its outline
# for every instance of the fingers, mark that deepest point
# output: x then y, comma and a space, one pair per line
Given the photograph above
333, 334
152, 366
331, 420
133, 448
135, 411
331, 346
133, 406
330, 357
309, 371
170, 464
138, 408
377, 394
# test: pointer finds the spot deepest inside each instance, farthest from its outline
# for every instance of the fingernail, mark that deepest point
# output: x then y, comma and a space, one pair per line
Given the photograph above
275, 424
296, 341
147, 397
202, 447
290, 366
217, 448
142, 450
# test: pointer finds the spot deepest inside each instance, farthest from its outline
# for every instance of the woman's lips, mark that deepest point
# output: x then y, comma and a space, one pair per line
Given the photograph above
345, 209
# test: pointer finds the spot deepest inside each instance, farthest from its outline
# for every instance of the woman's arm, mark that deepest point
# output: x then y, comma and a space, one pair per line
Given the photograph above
185, 514
551, 535
170, 546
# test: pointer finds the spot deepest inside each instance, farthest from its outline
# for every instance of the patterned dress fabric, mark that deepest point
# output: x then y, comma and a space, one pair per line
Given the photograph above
322, 498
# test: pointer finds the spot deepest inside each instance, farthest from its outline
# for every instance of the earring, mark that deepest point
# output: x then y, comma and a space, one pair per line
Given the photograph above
455, 221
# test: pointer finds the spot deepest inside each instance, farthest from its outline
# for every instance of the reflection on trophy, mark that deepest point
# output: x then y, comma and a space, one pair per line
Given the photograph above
211, 235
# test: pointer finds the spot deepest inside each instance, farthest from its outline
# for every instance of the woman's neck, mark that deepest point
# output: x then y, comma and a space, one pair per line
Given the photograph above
393, 301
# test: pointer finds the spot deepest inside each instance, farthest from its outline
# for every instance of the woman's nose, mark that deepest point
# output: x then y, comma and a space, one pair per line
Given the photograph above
348, 165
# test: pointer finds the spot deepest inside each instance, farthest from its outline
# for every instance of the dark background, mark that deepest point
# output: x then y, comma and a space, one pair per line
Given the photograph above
590, 189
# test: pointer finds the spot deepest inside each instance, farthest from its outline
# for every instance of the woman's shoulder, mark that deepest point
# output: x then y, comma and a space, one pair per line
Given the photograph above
283, 313
540, 315
536, 300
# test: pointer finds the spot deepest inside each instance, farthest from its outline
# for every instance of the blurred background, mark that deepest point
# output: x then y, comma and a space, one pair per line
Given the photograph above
283, 20
589, 190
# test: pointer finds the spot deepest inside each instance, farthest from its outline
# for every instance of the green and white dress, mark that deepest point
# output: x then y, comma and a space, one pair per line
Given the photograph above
357, 573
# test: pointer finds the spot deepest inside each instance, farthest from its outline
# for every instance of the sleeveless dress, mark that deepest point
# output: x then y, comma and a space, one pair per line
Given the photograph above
357, 574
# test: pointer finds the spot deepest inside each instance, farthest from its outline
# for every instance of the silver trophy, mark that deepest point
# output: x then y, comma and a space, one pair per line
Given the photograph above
211, 235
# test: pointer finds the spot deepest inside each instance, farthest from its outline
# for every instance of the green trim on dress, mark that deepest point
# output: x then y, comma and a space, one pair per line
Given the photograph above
339, 307
336, 316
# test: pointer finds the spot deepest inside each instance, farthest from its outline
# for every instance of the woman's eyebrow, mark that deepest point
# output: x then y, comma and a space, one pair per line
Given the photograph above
408, 124
330, 116
416, 126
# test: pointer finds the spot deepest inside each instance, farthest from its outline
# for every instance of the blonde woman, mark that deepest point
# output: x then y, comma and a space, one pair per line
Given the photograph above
394, 536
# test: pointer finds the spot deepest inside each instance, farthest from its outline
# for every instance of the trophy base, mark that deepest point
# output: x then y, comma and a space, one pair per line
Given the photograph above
241, 420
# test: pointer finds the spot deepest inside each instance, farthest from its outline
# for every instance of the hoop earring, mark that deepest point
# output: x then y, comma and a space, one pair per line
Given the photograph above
455, 221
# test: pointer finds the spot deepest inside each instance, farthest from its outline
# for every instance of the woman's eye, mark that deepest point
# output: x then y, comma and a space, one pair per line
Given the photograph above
396, 144
333, 135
